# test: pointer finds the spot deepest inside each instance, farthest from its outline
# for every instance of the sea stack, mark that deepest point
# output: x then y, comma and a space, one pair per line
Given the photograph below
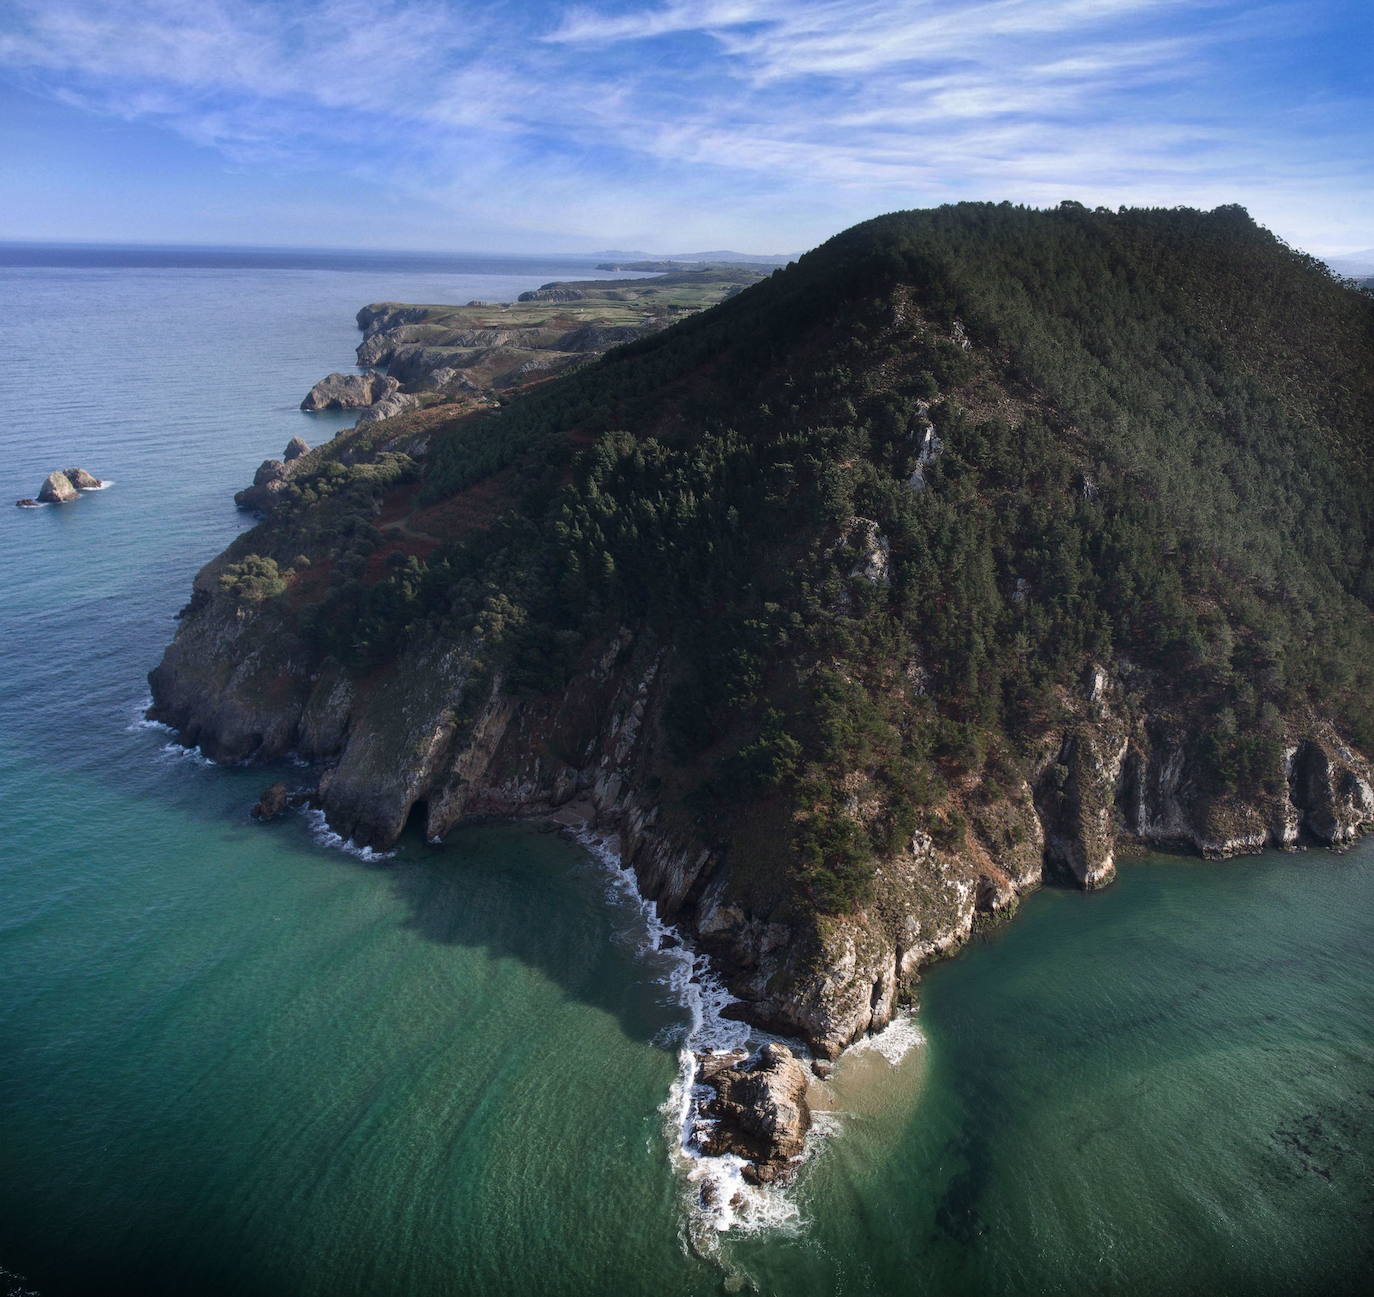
57, 488
82, 480
760, 1109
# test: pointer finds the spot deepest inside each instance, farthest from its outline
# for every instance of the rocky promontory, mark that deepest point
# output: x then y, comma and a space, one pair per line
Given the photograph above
350, 391
466, 355
856, 608
272, 478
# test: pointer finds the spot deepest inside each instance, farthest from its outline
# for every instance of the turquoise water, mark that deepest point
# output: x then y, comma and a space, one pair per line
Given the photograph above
235, 1062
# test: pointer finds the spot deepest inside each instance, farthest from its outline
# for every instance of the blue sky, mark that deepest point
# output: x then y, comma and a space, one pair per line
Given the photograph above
759, 125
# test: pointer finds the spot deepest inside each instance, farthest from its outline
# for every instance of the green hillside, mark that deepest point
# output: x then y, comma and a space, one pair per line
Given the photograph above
888, 506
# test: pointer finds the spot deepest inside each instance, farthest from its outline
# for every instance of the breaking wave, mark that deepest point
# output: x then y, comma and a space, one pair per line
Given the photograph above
894, 1042
718, 1199
326, 837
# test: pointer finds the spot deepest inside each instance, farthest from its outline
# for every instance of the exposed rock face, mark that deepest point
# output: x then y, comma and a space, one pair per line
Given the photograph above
271, 478
82, 480
267, 484
593, 337
273, 802
28, 502
395, 403
57, 488
395, 742
350, 391
760, 1109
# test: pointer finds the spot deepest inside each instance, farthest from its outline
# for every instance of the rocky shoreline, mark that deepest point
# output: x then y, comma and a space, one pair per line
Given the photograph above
1116, 776
744, 852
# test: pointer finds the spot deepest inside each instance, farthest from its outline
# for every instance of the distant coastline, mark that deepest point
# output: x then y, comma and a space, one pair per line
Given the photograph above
229, 257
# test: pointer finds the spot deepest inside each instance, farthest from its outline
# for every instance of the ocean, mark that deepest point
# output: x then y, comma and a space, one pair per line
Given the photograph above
237, 1060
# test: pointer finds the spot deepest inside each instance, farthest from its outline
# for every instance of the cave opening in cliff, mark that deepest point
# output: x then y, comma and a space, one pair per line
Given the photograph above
417, 818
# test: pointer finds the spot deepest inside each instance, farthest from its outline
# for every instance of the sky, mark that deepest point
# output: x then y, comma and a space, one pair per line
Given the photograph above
756, 125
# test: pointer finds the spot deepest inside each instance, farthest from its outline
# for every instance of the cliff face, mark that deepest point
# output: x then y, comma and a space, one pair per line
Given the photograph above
911, 643
414, 743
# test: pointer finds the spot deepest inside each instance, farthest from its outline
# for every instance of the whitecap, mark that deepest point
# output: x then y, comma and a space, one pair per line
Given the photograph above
326, 837
138, 719
180, 752
718, 1199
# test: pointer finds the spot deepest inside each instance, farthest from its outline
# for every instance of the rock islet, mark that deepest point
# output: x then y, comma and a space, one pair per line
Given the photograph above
759, 1108
62, 486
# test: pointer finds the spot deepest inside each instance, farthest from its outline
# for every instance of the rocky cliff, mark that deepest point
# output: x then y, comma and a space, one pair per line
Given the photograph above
429, 741
413, 355
869, 624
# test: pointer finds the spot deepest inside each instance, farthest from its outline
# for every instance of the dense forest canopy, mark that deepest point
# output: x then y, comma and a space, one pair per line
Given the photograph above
889, 503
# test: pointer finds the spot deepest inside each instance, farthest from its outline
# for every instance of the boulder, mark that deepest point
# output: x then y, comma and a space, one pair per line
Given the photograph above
295, 448
57, 489
350, 391
759, 1108
28, 502
270, 470
273, 802
82, 480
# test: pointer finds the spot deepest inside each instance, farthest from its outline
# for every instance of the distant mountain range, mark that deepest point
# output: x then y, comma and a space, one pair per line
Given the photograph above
735, 258
1354, 265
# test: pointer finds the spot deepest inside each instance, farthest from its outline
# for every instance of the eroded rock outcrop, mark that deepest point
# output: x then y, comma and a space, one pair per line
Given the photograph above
272, 803
350, 391
57, 488
389, 406
760, 1110
272, 477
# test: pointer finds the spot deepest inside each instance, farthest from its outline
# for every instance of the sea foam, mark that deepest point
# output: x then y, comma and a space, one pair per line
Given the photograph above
894, 1042
718, 1198
326, 837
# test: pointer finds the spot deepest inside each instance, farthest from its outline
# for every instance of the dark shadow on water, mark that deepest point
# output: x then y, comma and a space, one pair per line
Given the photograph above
516, 890
525, 892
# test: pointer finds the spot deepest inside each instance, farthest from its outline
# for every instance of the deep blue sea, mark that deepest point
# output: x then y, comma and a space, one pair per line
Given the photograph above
234, 1061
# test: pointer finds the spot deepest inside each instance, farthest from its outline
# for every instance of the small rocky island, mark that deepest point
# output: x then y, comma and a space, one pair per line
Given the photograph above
61, 487
759, 1109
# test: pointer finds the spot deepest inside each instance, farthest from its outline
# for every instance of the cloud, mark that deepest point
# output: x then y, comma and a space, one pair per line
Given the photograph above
788, 116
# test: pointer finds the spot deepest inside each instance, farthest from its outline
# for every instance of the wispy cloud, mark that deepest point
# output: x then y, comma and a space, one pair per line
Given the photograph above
758, 121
